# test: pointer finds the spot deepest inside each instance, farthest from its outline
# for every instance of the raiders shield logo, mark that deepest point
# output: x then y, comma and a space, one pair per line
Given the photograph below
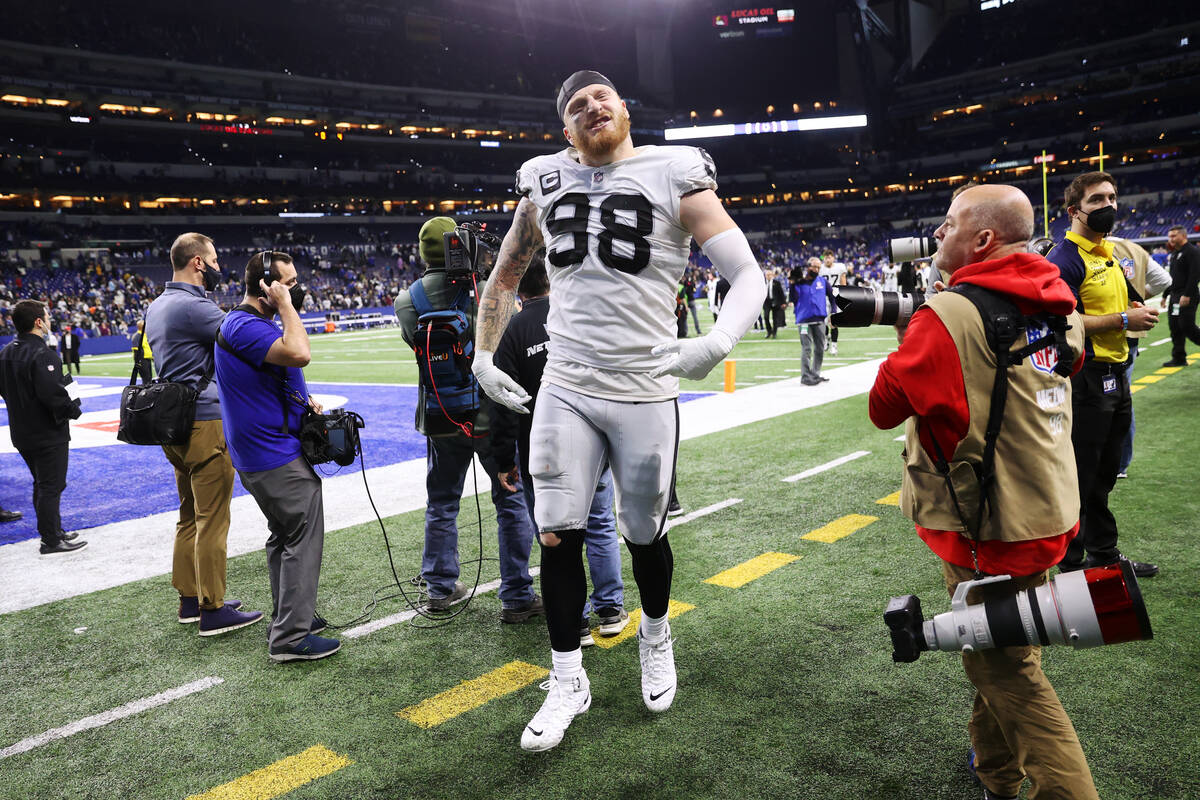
550, 182
1046, 359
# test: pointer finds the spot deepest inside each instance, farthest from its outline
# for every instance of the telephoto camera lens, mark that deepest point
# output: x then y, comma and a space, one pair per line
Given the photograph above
860, 306
911, 248
1084, 608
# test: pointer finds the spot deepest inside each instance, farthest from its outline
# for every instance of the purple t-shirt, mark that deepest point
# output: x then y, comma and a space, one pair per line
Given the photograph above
255, 399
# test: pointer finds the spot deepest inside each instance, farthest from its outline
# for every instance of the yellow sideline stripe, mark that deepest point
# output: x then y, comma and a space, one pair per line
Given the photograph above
892, 499
750, 570
1150, 379
279, 778
1167, 370
839, 528
472, 694
674, 609
1134, 388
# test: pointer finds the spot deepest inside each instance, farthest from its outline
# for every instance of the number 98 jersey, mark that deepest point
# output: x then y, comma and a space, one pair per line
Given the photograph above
615, 252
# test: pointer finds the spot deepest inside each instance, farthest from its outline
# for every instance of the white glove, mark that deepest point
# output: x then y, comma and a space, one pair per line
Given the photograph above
497, 385
693, 358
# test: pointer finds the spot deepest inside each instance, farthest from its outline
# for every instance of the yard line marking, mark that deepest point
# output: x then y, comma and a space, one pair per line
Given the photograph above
472, 694
745, 383
747, 571
839, 528
1160, 341
763, 377
279, 778
112, 715
674, 609
367, 628
1146, 379
702, 512
892, 499
1134, 389
1167, 370
900, 438
837, 462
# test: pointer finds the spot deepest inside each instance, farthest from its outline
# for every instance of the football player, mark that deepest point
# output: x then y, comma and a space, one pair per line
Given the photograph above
617, 222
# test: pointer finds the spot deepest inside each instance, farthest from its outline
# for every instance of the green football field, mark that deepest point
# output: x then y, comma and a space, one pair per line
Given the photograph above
787, 688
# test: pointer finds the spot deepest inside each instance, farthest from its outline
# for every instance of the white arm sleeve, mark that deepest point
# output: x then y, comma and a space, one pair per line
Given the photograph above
1157, 278
730, 254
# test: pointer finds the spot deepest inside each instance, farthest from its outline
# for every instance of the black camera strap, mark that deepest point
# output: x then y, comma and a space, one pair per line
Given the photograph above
1003, 325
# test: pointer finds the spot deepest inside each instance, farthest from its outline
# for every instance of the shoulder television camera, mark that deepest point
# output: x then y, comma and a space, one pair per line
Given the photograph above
330, 437
469, 251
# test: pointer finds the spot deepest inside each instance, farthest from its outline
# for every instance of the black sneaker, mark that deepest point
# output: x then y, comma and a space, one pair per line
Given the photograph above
61, 547
10, 516
522, 613
1174, 363
585, 635
674, 509
68, 537
1140, 569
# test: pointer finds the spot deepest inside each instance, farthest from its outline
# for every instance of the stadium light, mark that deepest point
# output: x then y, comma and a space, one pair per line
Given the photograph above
772, 126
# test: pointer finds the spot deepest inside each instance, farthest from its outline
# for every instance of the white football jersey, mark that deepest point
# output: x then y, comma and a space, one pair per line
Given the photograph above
615, 253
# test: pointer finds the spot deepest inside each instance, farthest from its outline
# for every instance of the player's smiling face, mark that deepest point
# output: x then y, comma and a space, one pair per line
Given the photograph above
596, 119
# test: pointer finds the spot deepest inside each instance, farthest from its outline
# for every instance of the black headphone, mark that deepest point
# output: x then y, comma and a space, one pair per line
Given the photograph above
265, 259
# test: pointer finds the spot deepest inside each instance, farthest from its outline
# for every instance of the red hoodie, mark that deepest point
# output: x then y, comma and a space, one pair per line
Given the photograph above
924, 378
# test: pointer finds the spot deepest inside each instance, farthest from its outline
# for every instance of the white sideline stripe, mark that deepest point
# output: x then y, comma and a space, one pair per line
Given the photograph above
136, 549
837, 462
367, 628
702, 512
112, 715
1160, 341
900, 438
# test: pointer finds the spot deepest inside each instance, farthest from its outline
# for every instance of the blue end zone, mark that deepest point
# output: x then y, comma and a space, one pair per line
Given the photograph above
112, 482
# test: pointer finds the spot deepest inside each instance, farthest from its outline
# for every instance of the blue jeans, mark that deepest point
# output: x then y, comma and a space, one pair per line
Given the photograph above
603, 547
447, 461
1127, 448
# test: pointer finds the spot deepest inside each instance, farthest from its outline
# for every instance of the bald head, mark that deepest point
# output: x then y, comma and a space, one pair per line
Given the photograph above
984, 222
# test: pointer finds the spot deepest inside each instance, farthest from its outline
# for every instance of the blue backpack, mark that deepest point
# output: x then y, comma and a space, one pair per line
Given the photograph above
442, 342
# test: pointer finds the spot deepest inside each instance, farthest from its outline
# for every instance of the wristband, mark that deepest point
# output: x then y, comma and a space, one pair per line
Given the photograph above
1124, 321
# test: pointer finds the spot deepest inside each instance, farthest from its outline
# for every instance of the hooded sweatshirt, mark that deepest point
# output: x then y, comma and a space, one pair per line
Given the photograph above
924, 377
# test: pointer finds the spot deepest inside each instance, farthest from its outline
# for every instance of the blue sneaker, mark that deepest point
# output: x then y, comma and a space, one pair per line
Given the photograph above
226, 619
310, 648
318, 624
189, 609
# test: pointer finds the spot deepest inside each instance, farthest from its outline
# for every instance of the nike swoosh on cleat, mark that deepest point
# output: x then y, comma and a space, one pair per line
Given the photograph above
654, 697
535, 733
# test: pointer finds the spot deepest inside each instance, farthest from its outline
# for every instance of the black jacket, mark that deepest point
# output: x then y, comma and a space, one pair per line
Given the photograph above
33, 385
522, 354
1184, 265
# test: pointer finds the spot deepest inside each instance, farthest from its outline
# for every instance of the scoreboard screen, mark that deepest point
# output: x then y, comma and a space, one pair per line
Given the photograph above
753, 22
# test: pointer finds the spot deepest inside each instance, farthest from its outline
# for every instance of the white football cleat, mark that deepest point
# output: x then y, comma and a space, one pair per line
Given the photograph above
658, 671
564, 701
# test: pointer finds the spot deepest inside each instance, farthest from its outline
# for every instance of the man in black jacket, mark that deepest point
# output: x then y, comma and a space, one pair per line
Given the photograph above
1184, 265
41, 399
68, 344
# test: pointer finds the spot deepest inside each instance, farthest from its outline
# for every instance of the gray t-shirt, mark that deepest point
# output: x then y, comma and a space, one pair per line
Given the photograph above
182, 325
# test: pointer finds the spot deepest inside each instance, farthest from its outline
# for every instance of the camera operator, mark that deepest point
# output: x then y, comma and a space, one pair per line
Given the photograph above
450, 451
263, 400
812, 300
1100, 391
940, 380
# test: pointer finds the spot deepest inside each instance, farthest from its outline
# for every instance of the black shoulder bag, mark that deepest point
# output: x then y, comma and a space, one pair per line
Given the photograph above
159, 412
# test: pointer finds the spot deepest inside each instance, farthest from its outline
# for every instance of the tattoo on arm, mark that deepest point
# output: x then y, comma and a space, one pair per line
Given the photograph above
498, 303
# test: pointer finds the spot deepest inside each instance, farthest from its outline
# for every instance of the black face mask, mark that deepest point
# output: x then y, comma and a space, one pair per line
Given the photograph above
211, 279
297, 292
1102, 220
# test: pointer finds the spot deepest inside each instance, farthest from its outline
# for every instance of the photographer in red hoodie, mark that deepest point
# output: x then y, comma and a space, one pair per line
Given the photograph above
940, 380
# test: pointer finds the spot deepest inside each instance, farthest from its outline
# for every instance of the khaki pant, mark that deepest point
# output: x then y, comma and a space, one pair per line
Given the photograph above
1019, 728
204, 478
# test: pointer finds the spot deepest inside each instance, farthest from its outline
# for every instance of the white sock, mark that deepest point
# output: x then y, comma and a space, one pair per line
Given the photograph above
655, 629
567, 666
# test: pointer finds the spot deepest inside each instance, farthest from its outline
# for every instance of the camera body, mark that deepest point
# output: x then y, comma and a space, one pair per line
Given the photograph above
330, 437
465, 248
